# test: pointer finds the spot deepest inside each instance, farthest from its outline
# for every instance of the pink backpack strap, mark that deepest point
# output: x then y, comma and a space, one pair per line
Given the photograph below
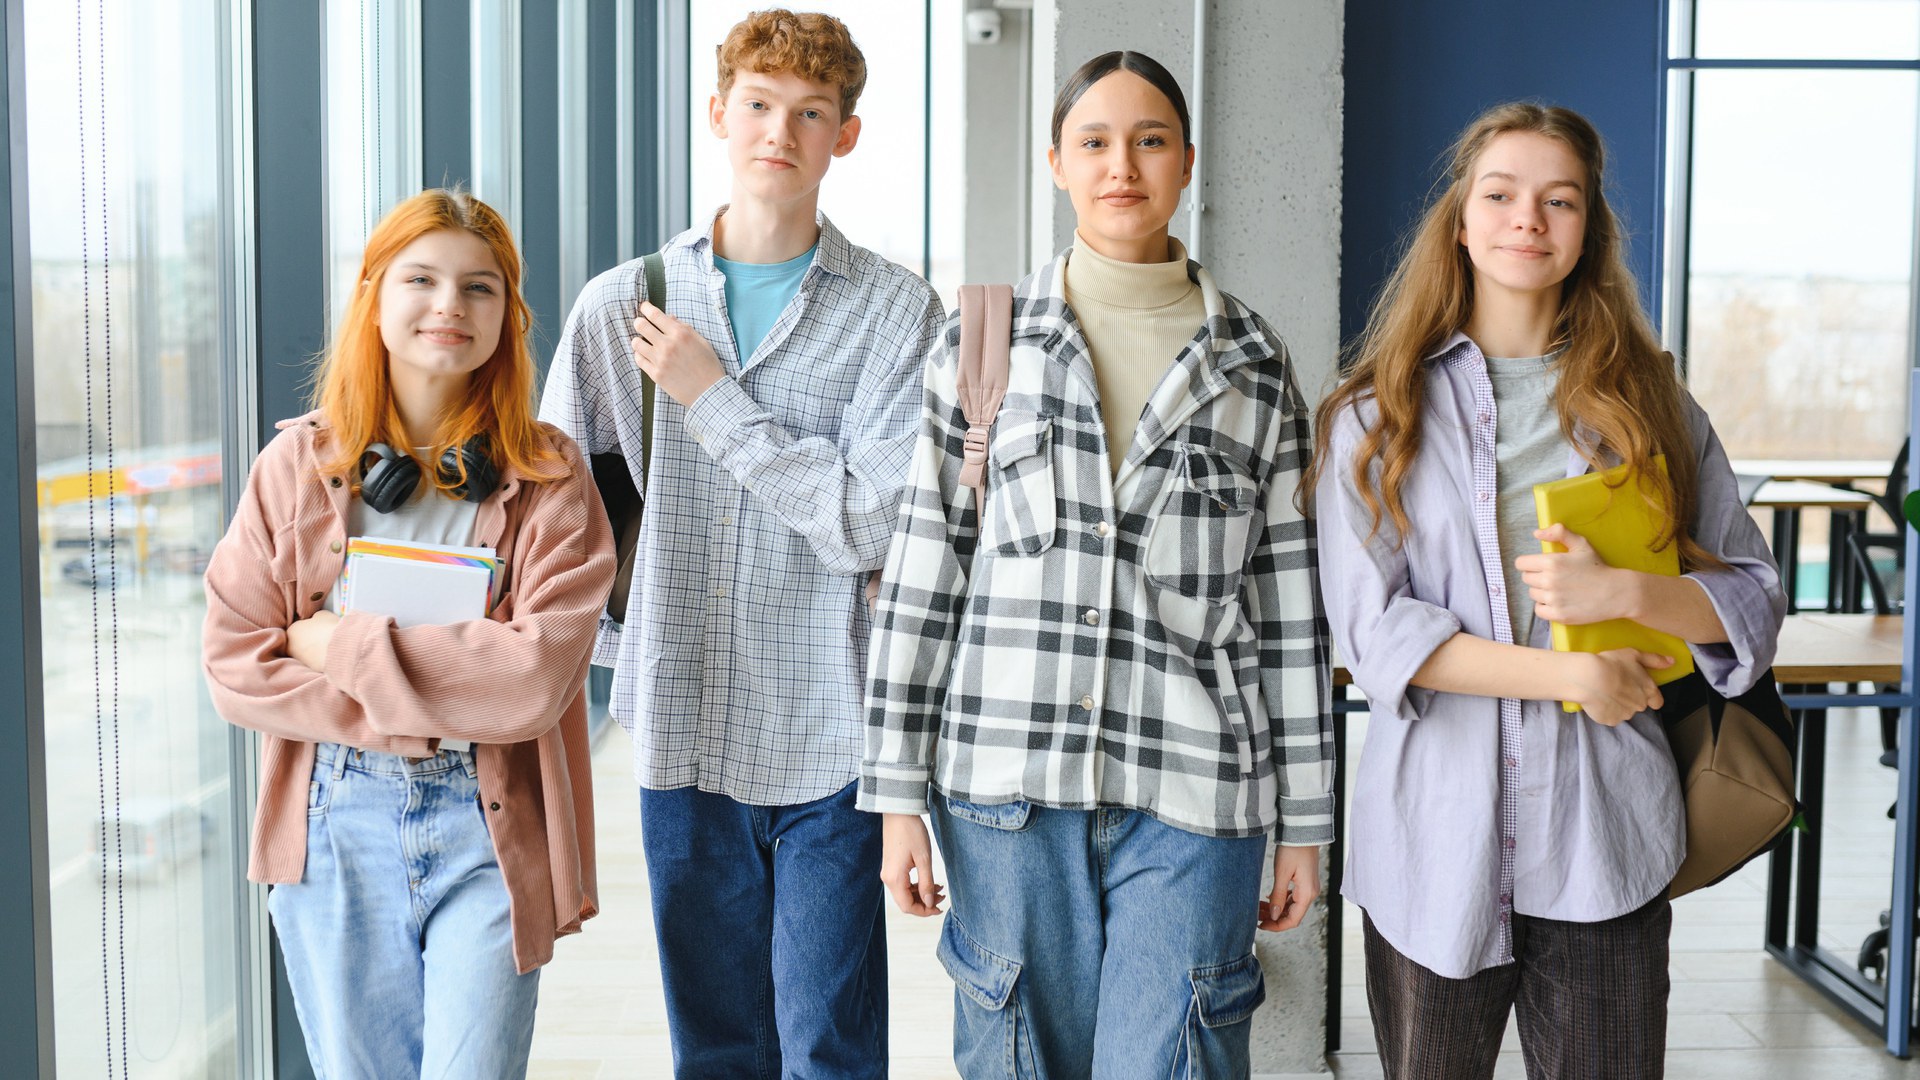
986, 335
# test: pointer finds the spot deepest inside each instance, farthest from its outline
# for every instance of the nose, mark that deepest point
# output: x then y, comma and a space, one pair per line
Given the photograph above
449, 301
1123, 167
1528, 218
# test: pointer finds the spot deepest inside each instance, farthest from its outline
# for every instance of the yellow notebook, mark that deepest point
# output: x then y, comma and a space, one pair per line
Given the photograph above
1611, 511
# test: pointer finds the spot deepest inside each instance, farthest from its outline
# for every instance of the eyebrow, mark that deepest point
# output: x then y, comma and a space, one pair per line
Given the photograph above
1574, 184
435, 269
1149, 124
767, 91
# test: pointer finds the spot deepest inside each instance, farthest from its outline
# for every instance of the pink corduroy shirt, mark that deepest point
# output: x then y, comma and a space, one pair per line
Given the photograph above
514, 683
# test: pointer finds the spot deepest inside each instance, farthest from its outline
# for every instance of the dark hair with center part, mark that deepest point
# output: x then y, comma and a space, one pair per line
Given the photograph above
1106, 64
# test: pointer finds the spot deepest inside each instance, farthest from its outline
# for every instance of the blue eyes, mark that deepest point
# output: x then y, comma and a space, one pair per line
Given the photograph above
1501, 196
810, 114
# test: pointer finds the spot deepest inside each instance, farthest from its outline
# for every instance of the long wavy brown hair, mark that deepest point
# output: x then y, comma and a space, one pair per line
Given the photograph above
1614, 377
354, 388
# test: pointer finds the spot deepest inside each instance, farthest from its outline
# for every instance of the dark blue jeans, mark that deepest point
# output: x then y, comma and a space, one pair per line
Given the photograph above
773, 949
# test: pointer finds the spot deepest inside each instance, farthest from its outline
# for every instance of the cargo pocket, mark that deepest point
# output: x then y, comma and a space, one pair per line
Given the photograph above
1199, 542
1020, 518
989, 1033
1217, 1033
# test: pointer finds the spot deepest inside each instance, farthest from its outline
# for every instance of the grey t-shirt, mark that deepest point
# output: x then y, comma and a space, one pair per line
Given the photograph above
1528, 450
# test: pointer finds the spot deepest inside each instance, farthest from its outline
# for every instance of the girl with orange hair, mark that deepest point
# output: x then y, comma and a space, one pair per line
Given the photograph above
1507, 852
425, 814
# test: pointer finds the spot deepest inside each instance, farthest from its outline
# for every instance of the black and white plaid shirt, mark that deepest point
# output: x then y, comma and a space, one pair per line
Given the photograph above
1152, 639
772, 497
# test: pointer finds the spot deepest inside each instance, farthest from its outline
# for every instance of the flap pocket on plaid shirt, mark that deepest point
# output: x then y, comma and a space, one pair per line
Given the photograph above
1199, 543
1020, 518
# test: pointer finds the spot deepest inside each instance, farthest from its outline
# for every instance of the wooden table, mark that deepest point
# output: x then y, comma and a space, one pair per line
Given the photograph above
1847, 509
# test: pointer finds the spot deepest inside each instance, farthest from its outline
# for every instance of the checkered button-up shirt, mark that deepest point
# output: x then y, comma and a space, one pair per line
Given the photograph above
1151, 639
772, 497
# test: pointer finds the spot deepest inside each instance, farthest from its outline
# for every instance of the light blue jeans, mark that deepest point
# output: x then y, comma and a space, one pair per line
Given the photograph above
398, 941
1088, 943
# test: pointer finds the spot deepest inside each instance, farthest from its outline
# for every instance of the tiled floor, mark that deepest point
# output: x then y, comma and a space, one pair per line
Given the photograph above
1735, 1013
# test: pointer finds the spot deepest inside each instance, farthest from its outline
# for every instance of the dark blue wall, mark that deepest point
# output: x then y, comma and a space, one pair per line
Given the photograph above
1416, 73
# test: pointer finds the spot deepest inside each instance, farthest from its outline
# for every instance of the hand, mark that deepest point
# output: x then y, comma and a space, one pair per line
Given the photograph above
1573, 587
307, 640
1614, 687
674, 355
1296, 883
906, 865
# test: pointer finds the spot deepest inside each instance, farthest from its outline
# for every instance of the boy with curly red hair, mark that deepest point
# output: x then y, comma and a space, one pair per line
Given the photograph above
787, 362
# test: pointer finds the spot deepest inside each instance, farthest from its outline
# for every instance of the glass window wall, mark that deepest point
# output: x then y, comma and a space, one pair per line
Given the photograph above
124, 145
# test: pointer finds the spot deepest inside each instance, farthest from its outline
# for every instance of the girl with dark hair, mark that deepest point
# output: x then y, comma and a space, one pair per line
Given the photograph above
1506, 851
1107, 680
425, 813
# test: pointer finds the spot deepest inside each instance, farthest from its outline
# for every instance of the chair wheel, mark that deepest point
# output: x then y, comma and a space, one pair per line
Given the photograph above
1872, 961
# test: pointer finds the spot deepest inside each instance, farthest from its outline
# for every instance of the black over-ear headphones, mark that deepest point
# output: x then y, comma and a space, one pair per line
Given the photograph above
388, 477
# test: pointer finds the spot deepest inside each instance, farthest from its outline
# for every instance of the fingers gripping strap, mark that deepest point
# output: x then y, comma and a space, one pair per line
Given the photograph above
986, 330
654, 267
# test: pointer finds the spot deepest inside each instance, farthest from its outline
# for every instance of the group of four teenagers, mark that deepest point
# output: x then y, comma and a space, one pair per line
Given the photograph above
1104, 680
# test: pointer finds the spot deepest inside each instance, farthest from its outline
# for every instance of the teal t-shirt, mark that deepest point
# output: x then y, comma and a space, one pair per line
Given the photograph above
756, 295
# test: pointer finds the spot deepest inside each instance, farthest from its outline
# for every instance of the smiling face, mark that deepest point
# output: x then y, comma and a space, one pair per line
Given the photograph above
782, 131
1122, 162
442, 307
1524, 222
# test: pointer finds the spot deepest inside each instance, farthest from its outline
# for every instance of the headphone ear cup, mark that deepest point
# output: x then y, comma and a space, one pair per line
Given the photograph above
388, 479
482, 476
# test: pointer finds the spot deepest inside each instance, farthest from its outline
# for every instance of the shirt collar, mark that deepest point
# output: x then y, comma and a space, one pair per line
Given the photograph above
833, 253
1042, 312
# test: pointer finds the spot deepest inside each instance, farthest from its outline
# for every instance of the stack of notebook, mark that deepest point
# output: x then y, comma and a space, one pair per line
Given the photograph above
417, 583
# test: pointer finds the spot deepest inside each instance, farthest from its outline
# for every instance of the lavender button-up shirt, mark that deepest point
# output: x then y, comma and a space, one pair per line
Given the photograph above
1468, 809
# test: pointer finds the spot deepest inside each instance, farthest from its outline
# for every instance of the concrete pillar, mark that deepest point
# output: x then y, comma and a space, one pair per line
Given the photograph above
1270, 147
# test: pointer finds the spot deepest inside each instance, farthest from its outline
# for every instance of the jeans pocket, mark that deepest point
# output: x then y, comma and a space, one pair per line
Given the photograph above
321, 785
1007, 816
989, 1033
1226, 994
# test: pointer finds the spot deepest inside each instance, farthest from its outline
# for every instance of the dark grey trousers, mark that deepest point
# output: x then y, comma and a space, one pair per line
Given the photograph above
1592, 1001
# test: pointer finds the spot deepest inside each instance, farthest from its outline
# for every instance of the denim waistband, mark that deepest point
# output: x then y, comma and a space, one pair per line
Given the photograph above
343, 758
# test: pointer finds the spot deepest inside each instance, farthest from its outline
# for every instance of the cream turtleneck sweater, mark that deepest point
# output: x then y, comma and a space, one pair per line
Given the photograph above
1136, 318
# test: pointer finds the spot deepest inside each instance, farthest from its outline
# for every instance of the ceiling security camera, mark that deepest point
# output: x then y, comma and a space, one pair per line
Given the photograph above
983, 26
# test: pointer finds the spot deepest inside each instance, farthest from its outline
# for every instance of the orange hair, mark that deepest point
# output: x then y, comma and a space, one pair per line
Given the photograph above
1614, 377
353, 386
816, 47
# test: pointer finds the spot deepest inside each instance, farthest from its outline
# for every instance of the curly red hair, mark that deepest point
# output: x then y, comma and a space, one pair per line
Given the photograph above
816, 47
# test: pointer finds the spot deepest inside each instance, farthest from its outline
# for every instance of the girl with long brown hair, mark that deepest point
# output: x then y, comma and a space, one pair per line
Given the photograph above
425, 814
1505, 851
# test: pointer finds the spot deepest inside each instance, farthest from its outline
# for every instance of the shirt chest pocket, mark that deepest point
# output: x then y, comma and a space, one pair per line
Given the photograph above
1199, 543
1020, 518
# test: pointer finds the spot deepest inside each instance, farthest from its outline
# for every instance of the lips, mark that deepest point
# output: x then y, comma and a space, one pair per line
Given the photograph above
1124, 197
775, 163
442, 335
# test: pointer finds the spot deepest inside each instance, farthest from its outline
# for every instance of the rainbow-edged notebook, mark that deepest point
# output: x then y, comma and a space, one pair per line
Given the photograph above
417, 583
1622, 520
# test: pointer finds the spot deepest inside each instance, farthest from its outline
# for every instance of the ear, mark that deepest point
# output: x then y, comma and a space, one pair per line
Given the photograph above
717, 115
1053, 165
849, 135
1186, 176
